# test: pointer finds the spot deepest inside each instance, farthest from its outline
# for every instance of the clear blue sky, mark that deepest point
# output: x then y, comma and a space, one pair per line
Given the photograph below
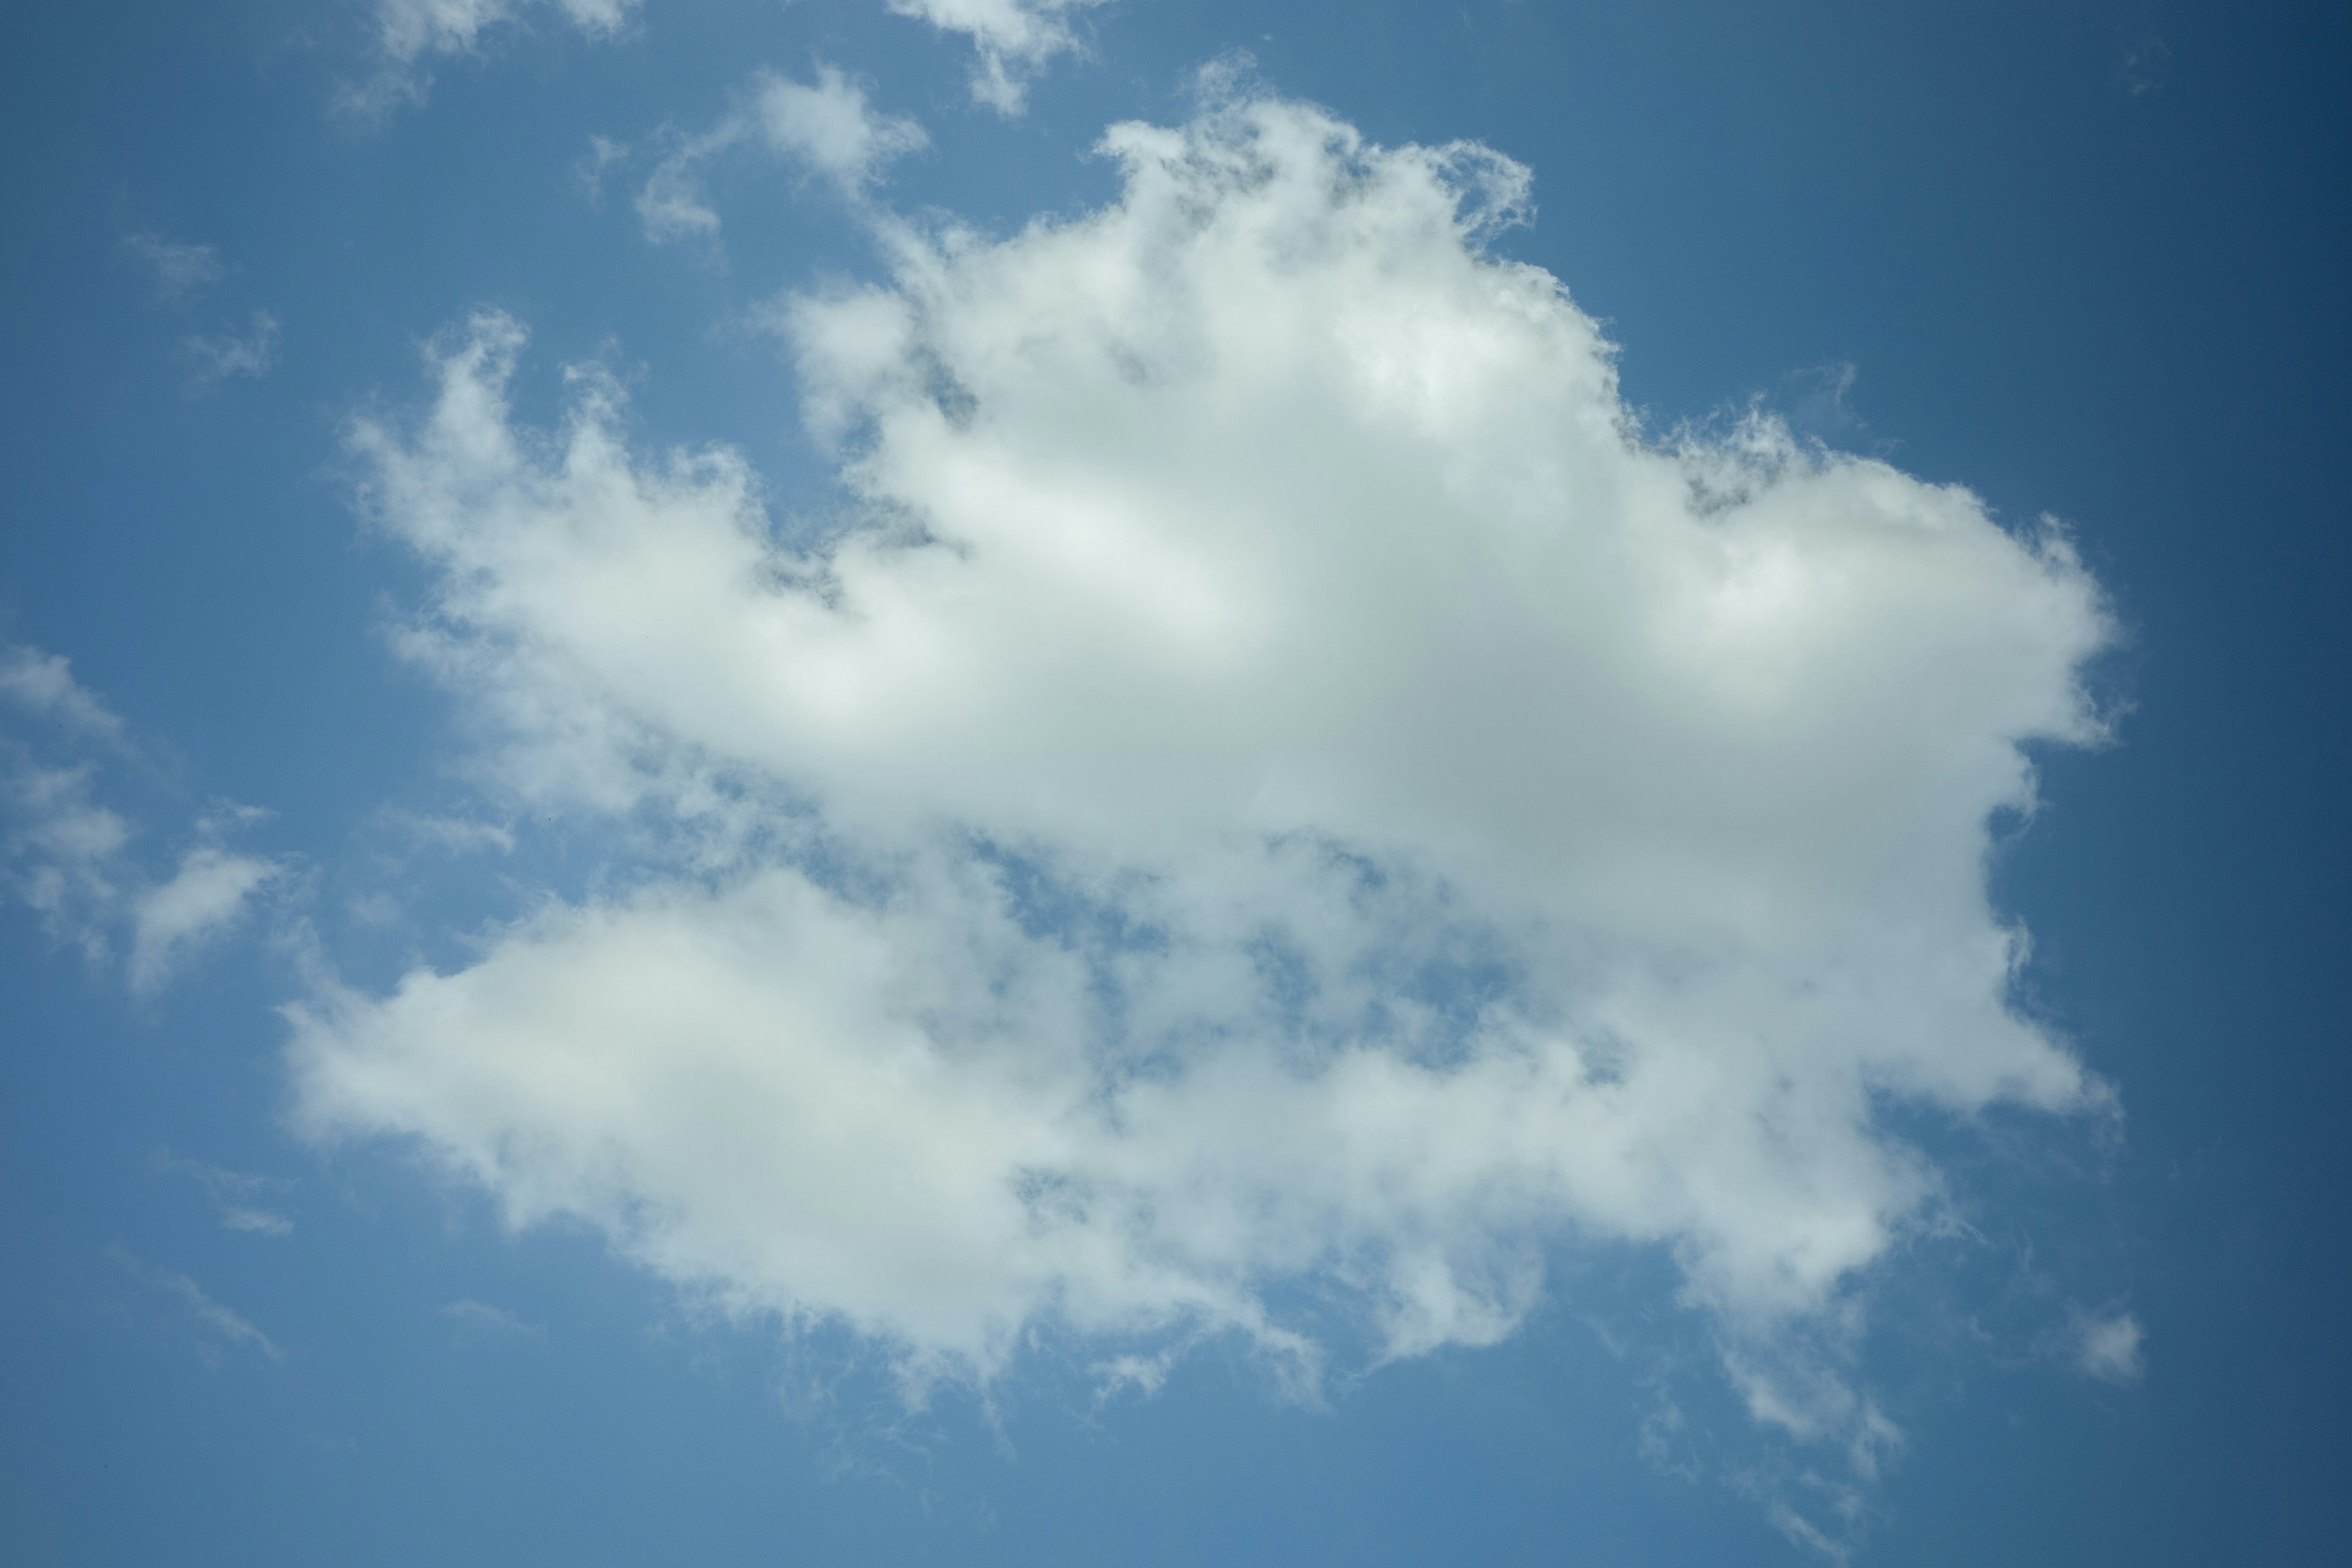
1544, 784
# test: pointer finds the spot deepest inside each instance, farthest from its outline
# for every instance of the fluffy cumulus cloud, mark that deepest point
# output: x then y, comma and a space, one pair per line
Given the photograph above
1014, 39
70, 857
1272, 789
827, 127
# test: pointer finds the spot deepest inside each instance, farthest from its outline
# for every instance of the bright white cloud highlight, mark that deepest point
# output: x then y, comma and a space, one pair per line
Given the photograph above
1014, 39
827, 127
1276, 781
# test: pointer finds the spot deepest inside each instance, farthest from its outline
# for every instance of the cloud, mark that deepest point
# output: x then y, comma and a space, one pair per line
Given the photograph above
181, 270
224, 356
1015, 39
602, 153
2106, 1346
1274, 789
450, 835
410, 29
224, 1322
69, 857
1801, 1532
409, 32
43, 684
495, 1320
234, 1195
827, 127
2147, 67
63, 852
204, 899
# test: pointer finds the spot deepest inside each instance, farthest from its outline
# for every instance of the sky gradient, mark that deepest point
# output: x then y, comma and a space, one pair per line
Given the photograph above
927, 783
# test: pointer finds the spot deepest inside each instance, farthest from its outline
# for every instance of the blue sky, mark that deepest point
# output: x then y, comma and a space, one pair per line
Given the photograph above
1115, 783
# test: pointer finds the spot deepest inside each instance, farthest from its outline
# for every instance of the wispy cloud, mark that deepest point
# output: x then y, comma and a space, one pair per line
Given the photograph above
1803, 1531
827, 127
180, 270
2146, 67
43, 684
481, 1315
410, 33
71, 858
449, 835
237, 1196
2107, 1345
227, 1326
601, 154
222, 355
207, 895
1013, 40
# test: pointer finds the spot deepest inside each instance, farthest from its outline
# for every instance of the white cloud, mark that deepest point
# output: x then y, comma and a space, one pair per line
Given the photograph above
827, 127
206, 897
1014, 39
2107, 1346
181, 270
450, 835
224, 354
671, 205
1801, 1532
1275, 780
44, 685
408, 32
64, 853
69, 856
